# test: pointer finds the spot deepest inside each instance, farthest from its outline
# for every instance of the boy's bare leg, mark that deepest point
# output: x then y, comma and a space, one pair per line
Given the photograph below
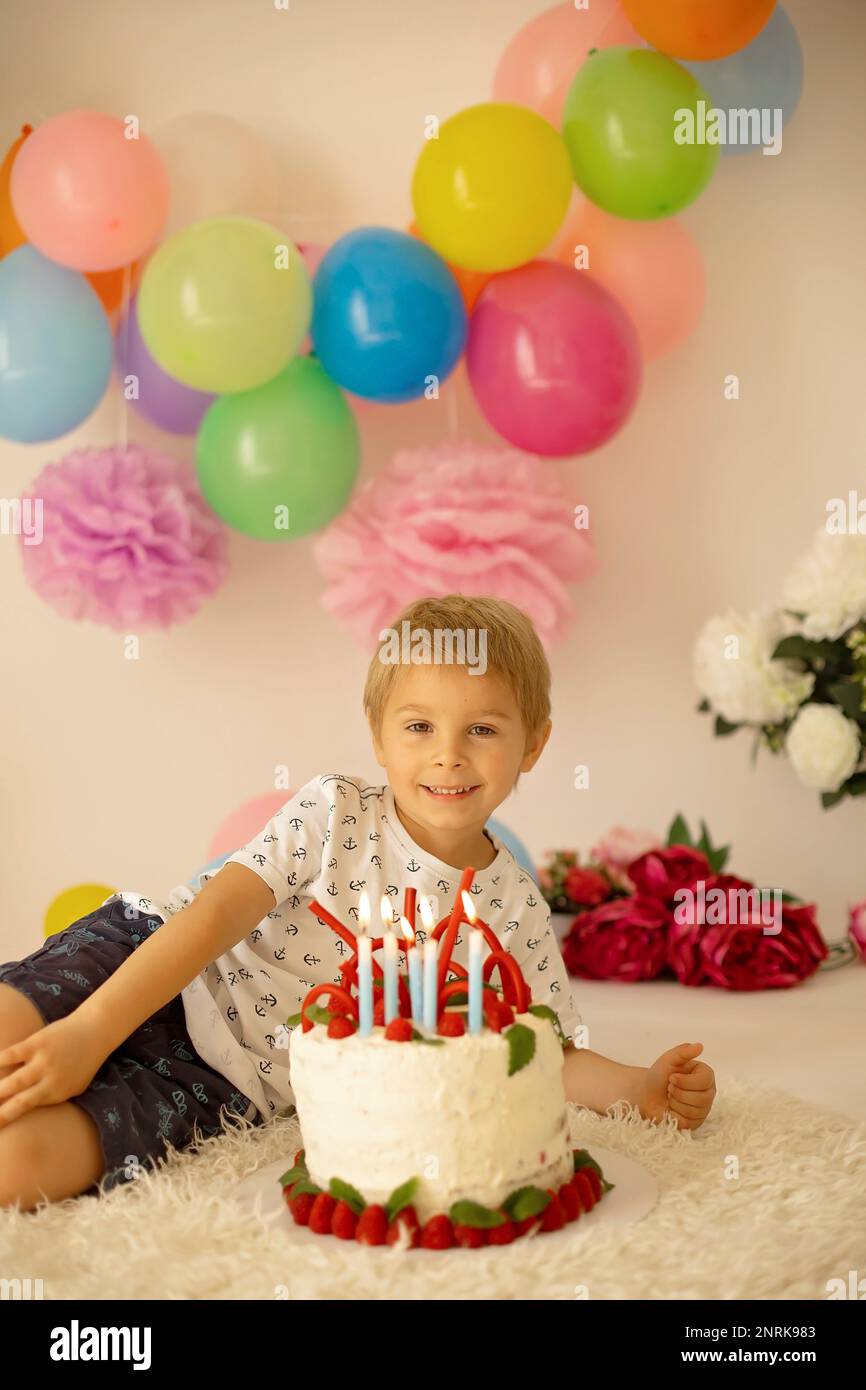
53, 1151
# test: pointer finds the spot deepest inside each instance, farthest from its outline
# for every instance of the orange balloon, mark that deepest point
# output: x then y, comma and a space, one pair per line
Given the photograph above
699, 29
471, 282
11, 234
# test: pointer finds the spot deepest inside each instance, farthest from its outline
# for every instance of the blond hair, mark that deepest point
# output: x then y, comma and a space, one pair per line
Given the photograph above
513, 650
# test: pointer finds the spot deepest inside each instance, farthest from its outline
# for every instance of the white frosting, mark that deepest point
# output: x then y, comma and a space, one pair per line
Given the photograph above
376, 1113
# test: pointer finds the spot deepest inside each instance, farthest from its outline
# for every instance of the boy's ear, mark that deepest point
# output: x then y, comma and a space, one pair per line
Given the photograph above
535, 746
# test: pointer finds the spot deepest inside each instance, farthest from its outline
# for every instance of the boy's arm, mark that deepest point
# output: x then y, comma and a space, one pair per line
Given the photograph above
229, 906
598, 1082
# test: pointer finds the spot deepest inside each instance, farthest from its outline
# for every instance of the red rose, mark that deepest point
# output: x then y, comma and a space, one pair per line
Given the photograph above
586, 887
760, 943
624, 939
660, 872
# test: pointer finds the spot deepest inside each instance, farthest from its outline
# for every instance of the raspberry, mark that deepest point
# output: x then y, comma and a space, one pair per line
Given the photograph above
594, 1181
437, 1233
470, 1236
570, 1200
399, 1030
321, 1214
300, 1207
341, 1027
584, 1189
344, 1222
502, 1235
338, 1006
451, 1026
372, 1225
553, 1216
407, 1218
505, 1012
299, 1155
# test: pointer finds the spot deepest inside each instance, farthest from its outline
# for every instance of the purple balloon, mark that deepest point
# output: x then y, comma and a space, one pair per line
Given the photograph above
162, 399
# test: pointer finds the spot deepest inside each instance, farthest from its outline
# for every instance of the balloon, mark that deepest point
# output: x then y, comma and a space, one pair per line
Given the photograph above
243, 825
73, 904
491, 191
218, 167
288, 447
553, 360
538, 66
55, 348
654, 269
87, 196
470, 282
160, 399
388, 315
766, 76
115, 286
700, 29
224, 305
11, 234
621, 116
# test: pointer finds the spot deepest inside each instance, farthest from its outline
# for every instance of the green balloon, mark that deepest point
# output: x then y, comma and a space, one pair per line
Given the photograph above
623, 113
281, 460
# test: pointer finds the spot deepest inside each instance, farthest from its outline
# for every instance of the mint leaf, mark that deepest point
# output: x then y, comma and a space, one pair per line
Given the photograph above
474, 1214
294, 1174
401, 1197
521, 1046
305, 1186
545, 1011
583, 1159
526, 1201
433, 1042
345, 1192
293, 1021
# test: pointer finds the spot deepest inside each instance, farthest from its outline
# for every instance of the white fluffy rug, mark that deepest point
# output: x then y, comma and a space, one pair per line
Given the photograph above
792, 1220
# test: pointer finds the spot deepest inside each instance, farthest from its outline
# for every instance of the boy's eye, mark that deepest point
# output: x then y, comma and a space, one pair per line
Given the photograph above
422, 724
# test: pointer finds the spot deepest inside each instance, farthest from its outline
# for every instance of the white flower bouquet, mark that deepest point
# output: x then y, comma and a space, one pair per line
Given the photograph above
797, 675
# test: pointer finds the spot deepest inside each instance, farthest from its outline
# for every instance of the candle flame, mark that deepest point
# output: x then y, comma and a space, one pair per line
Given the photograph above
428, 916
468, 908
363, 913
408, 931
386, 912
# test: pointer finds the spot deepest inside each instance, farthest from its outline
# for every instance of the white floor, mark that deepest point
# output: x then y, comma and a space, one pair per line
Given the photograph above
809, 1040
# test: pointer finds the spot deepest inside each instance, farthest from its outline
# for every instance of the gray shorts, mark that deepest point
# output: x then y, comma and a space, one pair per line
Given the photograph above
154, 1088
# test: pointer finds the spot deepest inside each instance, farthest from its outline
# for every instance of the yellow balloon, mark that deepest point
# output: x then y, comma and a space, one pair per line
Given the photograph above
225, 304
493, 189
73, 903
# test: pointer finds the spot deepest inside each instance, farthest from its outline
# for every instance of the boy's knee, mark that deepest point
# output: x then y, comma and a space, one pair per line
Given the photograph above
21, 1153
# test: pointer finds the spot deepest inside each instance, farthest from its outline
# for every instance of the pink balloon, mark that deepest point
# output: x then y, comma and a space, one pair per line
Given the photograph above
554, 361
85, 195
654, 269
246, 822
539, 64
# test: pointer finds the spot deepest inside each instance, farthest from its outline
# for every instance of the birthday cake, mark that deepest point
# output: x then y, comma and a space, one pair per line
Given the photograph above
433, 1131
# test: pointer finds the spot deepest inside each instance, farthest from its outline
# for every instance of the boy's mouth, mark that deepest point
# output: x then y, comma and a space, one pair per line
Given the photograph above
445, 793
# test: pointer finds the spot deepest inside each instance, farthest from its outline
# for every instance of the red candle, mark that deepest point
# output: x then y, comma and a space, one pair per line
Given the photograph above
450, 935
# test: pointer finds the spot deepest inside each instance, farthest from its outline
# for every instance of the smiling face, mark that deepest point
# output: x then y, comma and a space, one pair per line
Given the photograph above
445, 729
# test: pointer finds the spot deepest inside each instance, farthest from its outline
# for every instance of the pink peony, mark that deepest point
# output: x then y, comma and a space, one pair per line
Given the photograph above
662, 872
624, 939
457, 518
741, 955
857, 927
619, 848
586, 887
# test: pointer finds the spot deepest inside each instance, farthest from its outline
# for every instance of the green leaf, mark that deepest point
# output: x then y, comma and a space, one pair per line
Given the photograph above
316, 1014
703, 706
400, 1198
679, 832
718, 858
583, 1159
831, 798
797, 648
474, 1214
545, 1011
293, 1021
521, 1046
433, 1042
849, 697
856, 785
305, 1186
526, 1201
790, 898
722, 727
345, 1192
294, 1174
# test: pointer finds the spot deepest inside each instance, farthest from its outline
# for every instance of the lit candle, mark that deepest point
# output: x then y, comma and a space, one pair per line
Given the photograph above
389, 946
476, 943
413, 958
365, 968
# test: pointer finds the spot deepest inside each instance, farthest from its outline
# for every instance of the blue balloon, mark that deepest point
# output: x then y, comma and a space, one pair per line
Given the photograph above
387, 315
517, 847
766, 75
55, 348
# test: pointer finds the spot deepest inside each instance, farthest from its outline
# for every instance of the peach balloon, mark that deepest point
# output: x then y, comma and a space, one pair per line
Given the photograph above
87, 196
246, 822
11, 234
654, 269
538, 66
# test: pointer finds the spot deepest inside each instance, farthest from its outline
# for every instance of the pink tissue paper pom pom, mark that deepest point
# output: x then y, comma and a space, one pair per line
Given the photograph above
455, 518
127, 538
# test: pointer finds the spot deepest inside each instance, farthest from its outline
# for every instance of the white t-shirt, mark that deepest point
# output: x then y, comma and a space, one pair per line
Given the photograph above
334, 837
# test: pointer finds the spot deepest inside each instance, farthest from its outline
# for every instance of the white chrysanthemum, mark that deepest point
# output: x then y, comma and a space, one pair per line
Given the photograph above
824, 747
735, 671
828, 585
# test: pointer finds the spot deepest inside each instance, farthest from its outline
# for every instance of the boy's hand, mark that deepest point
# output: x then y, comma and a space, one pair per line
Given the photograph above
52, 1064
679, 1083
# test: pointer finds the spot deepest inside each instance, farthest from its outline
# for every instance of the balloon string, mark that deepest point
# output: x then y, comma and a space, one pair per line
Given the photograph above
126, 310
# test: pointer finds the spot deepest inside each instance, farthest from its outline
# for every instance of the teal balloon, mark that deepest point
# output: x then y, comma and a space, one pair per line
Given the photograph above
281, 460
55, 348
517, 847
